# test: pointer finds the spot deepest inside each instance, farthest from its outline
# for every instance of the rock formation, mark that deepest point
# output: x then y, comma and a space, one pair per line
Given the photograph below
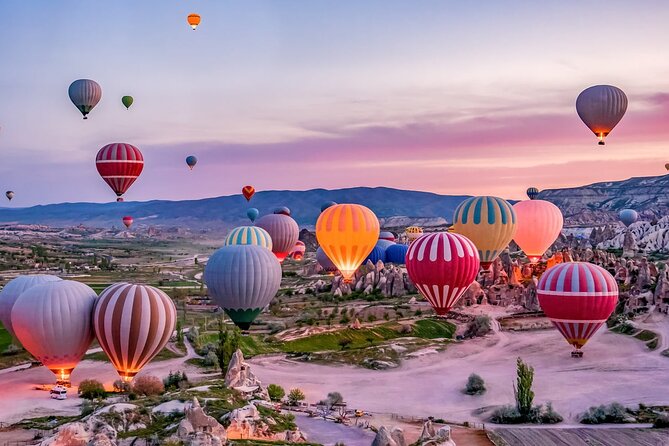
428, 436
240, 377
198, 428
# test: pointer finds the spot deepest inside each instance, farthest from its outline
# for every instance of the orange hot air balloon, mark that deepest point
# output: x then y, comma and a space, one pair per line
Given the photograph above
248, 192
347, 233
193, 20
538, 225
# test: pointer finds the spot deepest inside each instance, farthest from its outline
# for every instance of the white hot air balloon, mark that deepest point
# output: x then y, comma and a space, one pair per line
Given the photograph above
13, 290
85, 95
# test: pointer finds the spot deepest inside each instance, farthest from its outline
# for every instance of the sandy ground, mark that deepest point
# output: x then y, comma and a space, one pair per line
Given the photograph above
20, 400
614, 368
328, 433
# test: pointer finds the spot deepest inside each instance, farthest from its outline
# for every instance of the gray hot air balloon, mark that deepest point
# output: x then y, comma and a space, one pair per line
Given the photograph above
284, 232
324, 261
53, 321
242, 279
9, 194
85, 94
13, 290
601, 108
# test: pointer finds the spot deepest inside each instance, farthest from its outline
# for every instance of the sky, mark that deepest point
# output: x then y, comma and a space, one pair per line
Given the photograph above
452, 97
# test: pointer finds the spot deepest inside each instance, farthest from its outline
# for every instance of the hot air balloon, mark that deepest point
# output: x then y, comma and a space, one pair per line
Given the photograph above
601, 107
324, 261
377, 253
191, 161
85, 94
628, 216
13, 290
282, 210
242, 279
384, 243
327, 204
396, 253
127, 221
249, 235
119, 164
578, 297
666, 166
133, 324
532, 193
538, 225
53, 322
127, 101
248, 192
298, 250
489, 222
347, 233
284, 232
413, 232
193, 20
9, 194
442, 265
387, 235
252, 214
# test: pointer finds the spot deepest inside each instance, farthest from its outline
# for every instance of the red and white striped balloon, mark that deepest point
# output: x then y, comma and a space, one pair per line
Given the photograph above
119, 164
442, 265
578, 297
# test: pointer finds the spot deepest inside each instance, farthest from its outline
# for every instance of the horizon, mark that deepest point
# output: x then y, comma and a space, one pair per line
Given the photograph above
380, 94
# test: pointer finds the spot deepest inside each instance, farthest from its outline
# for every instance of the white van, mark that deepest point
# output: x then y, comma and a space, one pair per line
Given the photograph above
59, 393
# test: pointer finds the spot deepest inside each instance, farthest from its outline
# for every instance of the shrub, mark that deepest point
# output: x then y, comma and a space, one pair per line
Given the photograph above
661, 422
480, 326
90, 389
475, 385
175, 381
371, 318
121, 386
506, 415
210, 359
11, 350
148, 386
344, 343
295, 396
275, 392
613, 413
87, 408
550, 416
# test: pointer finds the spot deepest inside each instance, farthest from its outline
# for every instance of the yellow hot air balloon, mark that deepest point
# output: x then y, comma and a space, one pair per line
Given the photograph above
539, 225
413, 232
489, 222
193, 20
347, 233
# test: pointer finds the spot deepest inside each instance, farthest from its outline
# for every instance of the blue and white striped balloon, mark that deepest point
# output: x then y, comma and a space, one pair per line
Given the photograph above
249, 235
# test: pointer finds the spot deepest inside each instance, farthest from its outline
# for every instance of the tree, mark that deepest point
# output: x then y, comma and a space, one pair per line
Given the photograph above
295, 396
148, 385
90, 389
180, 333
344, 343
475, 385
275, 392
523, 388
333, 399
228, 343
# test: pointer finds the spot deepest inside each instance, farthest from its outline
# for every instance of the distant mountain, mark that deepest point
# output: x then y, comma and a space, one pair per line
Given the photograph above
600, 202
221, 213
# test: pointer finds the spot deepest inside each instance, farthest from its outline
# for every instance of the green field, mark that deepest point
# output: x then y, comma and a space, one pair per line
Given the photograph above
5, 338
250, 345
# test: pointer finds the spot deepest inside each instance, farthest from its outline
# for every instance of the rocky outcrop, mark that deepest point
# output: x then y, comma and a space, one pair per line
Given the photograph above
92, 432
428, 436
198, 428
239, 376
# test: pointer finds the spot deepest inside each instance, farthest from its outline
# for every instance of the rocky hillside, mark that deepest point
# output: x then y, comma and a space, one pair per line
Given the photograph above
600, 202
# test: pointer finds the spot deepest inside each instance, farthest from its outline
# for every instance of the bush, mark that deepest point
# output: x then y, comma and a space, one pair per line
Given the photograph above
175, 381
210, 359
480, 326
506, 415
475, 385
11, 350
344, 343
90, 389
295, 396
550, 416
87, 408
121, 386
661, 422
275, 392
147, 386
613, 413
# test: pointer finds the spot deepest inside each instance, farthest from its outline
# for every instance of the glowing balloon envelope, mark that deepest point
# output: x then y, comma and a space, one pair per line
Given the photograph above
489, 222
249, 235
347, 233
194, 20
538, 225
442, 265
53, 322
248, 192
242, 279
85, 95
13, 290
578, 298
601, 108
628, 216
284, 232
252, 214
133, 324
127, 101
191, 161
119, 164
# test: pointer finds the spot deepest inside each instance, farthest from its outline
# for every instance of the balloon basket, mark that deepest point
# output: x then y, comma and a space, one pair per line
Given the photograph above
577, 354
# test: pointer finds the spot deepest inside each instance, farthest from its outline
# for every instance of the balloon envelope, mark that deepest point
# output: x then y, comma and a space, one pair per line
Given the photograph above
377, 253
85, 95
327, 204
628, 216
532, 193
242, 279
284, 232
248, 192
119, 164
489, 222
413, 232
347, 233
324, 261
578, 297
13, 290
9, 194
601, 108
249, 235
298, 250
396, 253
127, 101
194, 20
191, 161
127, 221
538, 225
282, 210
442, 265
53, 322
252, 214
387, 235
133, 324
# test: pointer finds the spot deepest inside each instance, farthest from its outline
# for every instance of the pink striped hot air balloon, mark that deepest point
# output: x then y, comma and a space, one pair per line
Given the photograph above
578, 297
119, 164
442, 265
